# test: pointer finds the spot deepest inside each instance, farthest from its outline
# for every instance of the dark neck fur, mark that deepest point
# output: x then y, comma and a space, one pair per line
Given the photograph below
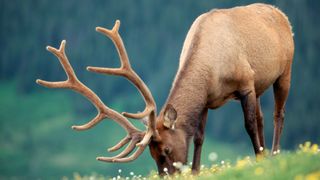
189, 97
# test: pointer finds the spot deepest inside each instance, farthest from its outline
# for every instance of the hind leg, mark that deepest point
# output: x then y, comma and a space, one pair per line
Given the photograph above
248, 103
281, 89
259, 119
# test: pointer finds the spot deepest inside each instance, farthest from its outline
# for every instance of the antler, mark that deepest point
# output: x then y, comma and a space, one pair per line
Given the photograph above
126, 71
72, 82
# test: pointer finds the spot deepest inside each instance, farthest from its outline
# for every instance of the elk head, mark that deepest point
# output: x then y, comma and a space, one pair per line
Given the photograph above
171, 145
167, 144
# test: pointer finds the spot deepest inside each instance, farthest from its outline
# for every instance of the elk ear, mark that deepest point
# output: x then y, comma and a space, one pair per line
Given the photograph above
170, 117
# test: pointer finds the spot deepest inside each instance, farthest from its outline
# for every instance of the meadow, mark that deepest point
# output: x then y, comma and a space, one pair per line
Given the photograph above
302, 164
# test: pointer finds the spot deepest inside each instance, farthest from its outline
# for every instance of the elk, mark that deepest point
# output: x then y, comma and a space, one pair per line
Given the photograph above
228, 54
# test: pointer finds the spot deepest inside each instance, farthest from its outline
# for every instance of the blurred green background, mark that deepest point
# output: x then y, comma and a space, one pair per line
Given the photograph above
36, 140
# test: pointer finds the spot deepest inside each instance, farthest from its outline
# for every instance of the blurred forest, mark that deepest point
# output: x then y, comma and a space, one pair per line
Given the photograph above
36, 140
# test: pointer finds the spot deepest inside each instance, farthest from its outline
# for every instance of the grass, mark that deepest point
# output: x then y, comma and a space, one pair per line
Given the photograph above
304, 163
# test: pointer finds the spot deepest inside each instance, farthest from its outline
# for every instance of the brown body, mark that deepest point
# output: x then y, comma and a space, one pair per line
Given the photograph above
231, 54
228, 54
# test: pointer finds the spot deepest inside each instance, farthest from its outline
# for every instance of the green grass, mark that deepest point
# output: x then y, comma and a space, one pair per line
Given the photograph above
301, 164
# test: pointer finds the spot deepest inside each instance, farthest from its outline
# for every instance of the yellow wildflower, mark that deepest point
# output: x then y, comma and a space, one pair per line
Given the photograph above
258, 171
243, 162
298, 177
314, 149
313, 176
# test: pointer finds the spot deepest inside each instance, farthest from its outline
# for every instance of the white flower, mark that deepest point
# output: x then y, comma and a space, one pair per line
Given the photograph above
177, 165
222, 162
213, 156
131, 173
119, 170
261, 148
165, 169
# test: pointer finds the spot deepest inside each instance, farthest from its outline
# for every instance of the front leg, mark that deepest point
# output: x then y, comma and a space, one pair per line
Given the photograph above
198, 141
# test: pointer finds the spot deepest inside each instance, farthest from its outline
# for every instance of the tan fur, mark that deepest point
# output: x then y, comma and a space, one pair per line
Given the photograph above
228, 52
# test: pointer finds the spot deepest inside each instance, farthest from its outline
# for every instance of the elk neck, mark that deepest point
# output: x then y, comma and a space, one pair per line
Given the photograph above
189, 91
189, 96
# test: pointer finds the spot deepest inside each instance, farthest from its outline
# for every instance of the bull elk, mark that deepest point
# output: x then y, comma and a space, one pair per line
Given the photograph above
228, 54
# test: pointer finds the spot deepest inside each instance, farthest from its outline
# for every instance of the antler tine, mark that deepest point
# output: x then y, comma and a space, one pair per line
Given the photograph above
126, 71
113, 34
128, 149
100, 116
121, 143
134, 156
121, 157
69, 71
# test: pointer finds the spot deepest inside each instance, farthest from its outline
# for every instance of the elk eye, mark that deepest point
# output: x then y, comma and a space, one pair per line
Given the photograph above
166, 150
